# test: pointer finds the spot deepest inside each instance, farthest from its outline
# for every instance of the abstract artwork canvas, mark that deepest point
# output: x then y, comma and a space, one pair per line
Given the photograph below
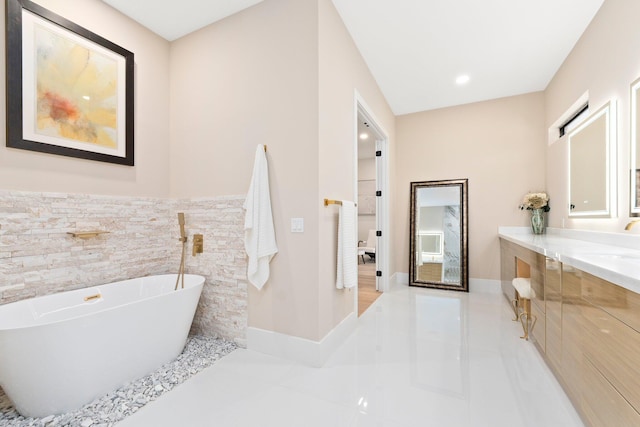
69, 91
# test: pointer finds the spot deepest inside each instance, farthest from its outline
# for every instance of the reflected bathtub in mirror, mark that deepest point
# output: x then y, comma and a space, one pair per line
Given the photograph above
438, 235
592, 147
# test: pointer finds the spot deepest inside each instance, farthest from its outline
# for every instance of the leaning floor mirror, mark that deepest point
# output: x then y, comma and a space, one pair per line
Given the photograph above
438, 239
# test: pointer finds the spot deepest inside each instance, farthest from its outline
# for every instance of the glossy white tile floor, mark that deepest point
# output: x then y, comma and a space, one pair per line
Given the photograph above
418, 358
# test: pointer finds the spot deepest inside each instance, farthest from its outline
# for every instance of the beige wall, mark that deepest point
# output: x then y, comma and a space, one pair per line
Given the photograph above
604, 62
261, 77
367, 168
498, 145
28, 170
343, 72
204, 102
246, 80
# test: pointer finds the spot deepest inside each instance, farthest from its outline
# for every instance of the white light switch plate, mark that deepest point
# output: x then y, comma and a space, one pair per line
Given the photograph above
297, 225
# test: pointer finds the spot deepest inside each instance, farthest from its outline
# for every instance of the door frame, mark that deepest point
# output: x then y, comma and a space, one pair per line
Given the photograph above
382, 184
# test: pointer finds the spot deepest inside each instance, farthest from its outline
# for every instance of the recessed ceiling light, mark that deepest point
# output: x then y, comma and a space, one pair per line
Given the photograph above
463, 79
364, 135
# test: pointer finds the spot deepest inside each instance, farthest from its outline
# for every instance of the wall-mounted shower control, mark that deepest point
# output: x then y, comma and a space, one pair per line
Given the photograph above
198, 244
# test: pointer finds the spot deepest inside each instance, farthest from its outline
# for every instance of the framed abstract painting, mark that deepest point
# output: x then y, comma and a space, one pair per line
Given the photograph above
69, 91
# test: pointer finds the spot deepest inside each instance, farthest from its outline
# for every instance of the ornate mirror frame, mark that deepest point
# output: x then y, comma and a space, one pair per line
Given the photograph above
414, 205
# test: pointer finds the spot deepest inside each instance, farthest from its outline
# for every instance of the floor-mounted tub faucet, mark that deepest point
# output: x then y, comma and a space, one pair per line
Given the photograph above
183, 239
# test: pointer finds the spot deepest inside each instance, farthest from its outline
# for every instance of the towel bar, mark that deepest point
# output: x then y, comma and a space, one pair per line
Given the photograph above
328, 202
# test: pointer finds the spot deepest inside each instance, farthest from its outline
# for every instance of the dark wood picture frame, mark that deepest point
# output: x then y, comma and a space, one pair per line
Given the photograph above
123, 129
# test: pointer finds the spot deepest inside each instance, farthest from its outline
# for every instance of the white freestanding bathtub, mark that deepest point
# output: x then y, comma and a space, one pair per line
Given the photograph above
61, 351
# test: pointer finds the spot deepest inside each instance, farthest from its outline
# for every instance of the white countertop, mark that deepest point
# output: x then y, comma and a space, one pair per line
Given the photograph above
611, 256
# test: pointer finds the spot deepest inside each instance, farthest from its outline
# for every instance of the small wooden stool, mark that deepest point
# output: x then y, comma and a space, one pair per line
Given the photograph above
522, 304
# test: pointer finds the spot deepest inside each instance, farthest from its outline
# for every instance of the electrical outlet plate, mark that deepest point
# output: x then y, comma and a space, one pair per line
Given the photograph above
297, 225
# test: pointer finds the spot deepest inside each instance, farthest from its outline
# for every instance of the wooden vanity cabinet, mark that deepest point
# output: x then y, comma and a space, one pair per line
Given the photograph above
571, 334
592, 339
612, 340
537, 333
601, 404
553, 311
507, 268
601, 351
430, 272
517, 261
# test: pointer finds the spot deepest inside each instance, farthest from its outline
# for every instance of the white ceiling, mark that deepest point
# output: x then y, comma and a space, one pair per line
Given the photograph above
415, 49
173, 19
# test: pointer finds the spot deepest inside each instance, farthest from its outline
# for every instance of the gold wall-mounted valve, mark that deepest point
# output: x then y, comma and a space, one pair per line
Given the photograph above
198, 244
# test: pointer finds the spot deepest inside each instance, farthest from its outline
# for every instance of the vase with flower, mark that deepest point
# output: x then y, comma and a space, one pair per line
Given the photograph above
538, 204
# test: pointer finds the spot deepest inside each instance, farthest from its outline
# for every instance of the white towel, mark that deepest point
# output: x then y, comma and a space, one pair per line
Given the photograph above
259, 234
347, 270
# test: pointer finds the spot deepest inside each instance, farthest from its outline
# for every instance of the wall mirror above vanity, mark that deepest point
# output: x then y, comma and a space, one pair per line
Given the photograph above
635, 150
438, 235
592, 170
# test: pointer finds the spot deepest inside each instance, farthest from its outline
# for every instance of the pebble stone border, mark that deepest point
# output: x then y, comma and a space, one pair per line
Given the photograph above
199, 353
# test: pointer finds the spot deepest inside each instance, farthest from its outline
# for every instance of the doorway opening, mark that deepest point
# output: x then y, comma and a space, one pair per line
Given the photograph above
371, 186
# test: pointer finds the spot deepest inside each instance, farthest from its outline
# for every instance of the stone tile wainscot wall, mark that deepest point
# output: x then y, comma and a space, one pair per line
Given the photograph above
39, 257
223, 304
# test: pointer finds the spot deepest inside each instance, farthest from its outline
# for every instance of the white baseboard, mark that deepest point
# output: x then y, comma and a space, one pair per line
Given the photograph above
487, 286
400, 278
308, 352
475, 285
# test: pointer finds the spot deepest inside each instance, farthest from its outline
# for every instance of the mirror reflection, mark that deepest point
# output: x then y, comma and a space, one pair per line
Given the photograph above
449, 374
438, 241
590, 167
635, 172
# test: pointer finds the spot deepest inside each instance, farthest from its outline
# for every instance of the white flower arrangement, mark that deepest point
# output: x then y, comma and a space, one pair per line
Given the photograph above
535, 201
